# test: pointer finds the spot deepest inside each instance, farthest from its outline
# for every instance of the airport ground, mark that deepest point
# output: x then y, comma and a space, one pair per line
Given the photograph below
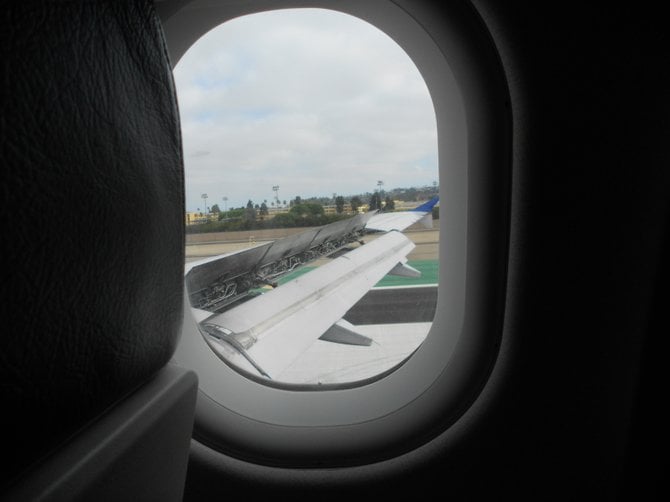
204, 245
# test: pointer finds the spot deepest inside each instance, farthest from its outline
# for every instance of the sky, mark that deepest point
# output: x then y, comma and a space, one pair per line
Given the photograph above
312, 101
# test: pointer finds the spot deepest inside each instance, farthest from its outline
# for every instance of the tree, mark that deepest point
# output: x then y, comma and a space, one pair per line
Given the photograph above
264, 209
389, 205
355, 202
307, 214
283, 220
250, 212
307, 209
215, 209
375, 202
232, 214
339, 204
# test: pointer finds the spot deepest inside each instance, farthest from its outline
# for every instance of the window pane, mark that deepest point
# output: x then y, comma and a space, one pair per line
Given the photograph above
309, 137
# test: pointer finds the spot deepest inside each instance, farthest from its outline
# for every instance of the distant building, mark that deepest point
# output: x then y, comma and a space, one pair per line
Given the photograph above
196, 218
332, 209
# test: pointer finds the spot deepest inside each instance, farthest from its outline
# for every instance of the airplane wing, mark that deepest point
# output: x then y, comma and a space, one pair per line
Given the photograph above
265, 333
385, 222
270, 331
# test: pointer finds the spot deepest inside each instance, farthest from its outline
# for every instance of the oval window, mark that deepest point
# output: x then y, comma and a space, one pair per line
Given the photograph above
310, 151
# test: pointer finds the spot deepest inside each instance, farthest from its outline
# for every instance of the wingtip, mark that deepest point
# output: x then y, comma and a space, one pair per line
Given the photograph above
428, 206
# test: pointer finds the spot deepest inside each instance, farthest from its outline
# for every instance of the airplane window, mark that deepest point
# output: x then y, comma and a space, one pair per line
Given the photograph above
312, 186
313, 135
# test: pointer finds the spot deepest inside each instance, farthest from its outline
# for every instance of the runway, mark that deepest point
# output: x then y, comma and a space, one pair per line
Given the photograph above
395, 305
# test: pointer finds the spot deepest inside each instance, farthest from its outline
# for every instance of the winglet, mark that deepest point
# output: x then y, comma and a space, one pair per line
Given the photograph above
427, 206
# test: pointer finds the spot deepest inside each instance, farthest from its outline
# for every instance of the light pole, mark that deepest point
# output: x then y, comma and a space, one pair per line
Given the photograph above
225, 204
204, 200
380, 183
275, 188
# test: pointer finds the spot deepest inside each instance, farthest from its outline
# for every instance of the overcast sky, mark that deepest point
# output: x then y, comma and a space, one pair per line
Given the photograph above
314, 101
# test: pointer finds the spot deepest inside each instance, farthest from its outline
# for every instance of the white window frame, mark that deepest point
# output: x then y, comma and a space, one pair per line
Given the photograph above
242, 418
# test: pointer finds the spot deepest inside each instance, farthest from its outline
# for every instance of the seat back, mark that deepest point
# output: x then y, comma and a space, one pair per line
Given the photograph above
92, 233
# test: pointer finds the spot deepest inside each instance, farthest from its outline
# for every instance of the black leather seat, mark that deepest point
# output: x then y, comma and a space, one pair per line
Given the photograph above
92, 253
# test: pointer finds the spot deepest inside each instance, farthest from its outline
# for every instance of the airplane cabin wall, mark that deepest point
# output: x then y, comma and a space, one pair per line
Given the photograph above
566, 413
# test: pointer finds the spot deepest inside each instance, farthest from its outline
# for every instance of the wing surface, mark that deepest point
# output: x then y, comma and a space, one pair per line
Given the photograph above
270, 331
385, 222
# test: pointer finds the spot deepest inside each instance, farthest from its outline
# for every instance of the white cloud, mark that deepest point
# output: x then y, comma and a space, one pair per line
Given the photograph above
311, 100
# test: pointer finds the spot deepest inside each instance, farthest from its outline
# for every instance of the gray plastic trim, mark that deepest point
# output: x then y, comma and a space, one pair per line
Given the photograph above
421, 398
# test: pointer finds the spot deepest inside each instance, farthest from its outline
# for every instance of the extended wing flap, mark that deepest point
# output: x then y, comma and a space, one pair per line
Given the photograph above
404, 270
345, 333
276, 327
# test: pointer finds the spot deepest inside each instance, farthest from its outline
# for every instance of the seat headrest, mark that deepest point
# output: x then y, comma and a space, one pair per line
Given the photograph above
92, 208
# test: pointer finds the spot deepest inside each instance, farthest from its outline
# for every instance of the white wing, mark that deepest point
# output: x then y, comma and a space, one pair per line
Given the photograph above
270, 331
385, 222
